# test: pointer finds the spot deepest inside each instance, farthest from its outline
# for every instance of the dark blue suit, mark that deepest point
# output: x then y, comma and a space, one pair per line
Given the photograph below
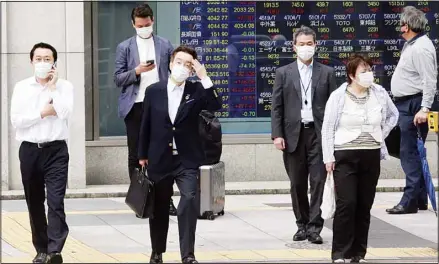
156, 145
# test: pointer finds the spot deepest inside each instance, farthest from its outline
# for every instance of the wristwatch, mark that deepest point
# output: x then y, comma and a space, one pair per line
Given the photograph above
425, 109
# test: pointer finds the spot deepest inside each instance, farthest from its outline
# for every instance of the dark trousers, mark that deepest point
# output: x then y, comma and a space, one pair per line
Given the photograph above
47, 166
306, 160
132, 122
356, 176
187, 210
415, 193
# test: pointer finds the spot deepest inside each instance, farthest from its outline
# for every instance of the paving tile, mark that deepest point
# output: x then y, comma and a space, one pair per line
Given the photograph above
242, 255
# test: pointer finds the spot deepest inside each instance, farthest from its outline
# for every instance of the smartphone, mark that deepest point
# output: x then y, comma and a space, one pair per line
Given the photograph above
150, 62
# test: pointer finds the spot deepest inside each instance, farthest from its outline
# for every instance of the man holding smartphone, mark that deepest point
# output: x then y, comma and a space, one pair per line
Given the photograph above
140, 61
40, 108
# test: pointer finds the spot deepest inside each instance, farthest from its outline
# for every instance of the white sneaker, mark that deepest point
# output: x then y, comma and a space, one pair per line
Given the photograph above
339, 261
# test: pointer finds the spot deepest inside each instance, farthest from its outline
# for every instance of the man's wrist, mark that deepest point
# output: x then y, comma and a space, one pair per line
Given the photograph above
425, 109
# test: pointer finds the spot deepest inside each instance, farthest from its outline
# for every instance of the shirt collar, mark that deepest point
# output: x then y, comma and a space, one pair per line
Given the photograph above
302, 66
172, 86
412, 40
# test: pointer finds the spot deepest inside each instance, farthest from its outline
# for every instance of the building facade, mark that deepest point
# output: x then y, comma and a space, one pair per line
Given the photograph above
85, 35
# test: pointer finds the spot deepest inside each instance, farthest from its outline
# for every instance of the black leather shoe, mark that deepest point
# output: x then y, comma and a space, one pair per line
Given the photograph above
189, 260
399, 209
156, 258
40, 258
300, 235
422, 207
172, 209
315, 238
54, 258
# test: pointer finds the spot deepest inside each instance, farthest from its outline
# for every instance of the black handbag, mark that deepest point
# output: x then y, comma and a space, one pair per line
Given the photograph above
393, 142
140, 196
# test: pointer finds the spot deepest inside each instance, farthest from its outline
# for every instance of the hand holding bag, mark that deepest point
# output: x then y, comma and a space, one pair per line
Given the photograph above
140, 196
328, 204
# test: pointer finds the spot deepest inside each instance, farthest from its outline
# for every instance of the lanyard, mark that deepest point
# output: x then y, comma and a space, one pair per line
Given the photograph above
307, 88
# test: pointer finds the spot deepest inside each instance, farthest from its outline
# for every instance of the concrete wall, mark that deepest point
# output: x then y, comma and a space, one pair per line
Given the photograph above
246, 162
60, 24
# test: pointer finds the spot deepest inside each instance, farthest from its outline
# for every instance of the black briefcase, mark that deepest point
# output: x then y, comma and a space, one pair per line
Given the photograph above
393, 142
140, 196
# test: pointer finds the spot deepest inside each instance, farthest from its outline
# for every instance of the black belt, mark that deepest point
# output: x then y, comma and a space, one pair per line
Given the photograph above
308, 125
45, 144
405, 98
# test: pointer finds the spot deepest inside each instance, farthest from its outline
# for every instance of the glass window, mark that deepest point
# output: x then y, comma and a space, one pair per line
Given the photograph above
242, 43
114, 26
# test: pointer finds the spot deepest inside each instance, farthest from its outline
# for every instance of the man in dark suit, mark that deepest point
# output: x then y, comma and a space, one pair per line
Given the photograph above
300, 92
171, 148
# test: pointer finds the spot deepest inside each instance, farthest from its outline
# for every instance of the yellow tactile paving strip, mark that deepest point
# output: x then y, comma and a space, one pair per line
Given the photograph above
16, 232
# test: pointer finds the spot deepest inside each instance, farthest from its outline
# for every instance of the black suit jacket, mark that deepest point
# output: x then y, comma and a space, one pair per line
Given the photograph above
287, 101
157, 130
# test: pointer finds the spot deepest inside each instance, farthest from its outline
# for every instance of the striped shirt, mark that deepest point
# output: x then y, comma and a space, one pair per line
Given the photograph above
364, 140
334, 109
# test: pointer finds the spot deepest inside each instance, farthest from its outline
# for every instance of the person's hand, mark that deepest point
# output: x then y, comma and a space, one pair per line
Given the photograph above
143, 67
143, 163
330, 166
200, 70
279, 143
53, 78
420, 117
48, 110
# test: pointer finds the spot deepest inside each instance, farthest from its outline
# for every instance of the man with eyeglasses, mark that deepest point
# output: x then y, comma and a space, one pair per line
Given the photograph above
40, 108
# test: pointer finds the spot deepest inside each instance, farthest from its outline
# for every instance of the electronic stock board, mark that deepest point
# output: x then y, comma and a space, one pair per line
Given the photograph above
241, 43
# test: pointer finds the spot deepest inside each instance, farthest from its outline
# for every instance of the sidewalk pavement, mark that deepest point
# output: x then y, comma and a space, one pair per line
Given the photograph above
255, 228
232, 188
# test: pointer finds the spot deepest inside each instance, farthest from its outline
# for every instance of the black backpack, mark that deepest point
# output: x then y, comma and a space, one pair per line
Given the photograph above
211, 134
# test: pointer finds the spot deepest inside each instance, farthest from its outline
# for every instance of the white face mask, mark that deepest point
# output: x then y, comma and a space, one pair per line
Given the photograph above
305, 52
179, 73
365, 79
42, 69
144, 32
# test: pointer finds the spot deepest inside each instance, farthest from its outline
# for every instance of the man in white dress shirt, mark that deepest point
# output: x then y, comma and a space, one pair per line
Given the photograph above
300, 92
170, 146
40, 109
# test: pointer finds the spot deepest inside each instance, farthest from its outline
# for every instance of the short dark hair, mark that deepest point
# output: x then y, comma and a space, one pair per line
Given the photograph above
142, 11
354, 61
184, 49
43, 45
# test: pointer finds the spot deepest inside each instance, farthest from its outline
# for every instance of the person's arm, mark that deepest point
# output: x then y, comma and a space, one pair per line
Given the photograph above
23, 115
328, 129
122, 76
392, 115
426, 65
211, 100
145, 127
277, 107
170, 50
332, 81
63, 100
